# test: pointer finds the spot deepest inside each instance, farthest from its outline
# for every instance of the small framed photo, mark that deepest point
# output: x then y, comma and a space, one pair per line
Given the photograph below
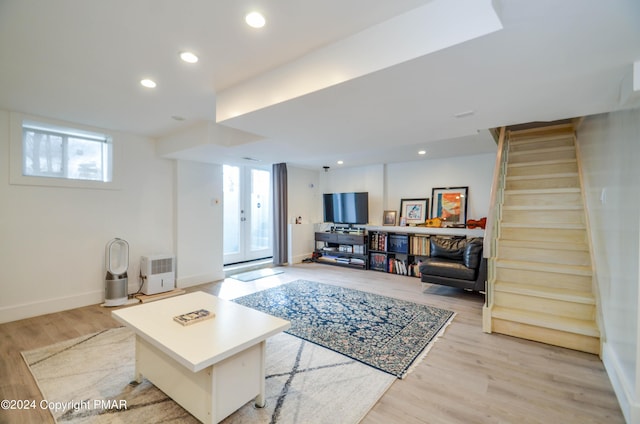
389, 218
414, 211
450, 205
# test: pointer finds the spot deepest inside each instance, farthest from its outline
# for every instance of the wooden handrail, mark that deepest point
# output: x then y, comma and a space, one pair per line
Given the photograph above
493, 201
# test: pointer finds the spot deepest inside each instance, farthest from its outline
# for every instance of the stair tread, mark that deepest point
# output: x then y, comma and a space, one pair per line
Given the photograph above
568, 295
538, 137
542, 176
541, 163
543, 190
545, 267
547, 245
561, 226
546, 150
540, 319
560, 207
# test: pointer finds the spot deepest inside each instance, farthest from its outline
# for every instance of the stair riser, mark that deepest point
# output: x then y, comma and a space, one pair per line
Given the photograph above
533, 156
543, 216
554, 337
536, 144
543, 183
558, 308
551, 256
542, 199
550, 132
542, 279
544, 234
542, 169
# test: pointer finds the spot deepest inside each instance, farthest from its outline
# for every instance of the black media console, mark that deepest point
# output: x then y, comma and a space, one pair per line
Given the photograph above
342, 249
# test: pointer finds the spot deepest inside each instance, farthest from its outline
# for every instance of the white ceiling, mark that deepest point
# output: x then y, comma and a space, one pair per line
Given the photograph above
81, 61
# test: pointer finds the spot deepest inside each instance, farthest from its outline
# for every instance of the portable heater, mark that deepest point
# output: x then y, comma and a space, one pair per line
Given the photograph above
158, 273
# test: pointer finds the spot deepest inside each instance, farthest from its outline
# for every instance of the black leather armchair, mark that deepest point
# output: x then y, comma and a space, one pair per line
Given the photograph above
455, 262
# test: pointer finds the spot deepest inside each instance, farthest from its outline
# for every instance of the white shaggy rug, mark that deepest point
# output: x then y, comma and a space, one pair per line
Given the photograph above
86, 380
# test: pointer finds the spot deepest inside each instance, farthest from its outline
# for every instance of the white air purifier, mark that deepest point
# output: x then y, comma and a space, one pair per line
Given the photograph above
158, 273
116, 282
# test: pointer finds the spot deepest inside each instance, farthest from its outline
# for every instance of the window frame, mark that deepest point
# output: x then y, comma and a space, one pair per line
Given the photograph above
18, 123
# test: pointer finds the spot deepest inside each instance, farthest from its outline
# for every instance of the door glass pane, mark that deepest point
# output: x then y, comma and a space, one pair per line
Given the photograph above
260, 207
231, 191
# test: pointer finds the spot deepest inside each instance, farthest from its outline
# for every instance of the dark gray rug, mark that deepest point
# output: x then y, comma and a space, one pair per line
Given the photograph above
385, 333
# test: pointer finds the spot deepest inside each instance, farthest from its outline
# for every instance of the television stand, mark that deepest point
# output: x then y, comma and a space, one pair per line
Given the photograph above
342, 249
348, 230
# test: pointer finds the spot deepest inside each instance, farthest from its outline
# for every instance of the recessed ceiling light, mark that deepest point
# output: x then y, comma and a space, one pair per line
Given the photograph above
255, 20
148, 83
340, 162
422, 152
188, 57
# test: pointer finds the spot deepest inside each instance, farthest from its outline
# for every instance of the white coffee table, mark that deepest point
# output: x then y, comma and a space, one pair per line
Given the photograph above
211, 368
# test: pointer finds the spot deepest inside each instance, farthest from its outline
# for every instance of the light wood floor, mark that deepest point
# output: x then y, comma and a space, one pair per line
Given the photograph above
467, 377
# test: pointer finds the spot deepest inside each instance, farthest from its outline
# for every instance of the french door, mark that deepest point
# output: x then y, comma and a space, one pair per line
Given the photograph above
247, 214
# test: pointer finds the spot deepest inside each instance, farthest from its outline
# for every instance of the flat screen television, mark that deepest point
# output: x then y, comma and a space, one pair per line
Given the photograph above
346, 208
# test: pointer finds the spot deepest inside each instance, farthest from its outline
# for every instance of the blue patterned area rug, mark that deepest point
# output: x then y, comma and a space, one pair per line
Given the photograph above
385, 333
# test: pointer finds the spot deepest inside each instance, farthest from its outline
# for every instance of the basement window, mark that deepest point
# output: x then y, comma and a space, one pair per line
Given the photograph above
65, 153
56, 154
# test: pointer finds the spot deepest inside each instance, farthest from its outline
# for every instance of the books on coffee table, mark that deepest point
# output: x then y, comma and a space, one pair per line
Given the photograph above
193, 317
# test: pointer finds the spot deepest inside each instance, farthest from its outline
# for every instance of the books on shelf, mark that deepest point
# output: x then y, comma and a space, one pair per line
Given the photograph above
420, 245
398, 243
378, 261
378, 241
403, 267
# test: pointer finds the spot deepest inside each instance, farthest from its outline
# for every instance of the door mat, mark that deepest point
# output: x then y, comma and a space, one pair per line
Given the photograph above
257, 274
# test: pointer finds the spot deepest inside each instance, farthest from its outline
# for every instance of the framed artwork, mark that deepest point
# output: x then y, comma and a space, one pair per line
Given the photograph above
414, 211
450, 205
389, 218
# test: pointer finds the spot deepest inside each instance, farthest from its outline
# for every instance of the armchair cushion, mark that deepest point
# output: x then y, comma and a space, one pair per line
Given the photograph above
446, 268
448, 248
472, 253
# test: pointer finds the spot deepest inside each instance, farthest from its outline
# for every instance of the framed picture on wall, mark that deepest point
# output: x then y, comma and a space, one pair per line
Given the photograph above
450, 205
389, 218
414, 211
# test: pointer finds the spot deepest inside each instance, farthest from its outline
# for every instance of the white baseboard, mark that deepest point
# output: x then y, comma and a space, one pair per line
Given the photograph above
48, 306
629, 404
297, 259
195, 280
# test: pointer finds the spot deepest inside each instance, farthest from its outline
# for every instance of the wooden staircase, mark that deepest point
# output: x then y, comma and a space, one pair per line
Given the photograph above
541, 285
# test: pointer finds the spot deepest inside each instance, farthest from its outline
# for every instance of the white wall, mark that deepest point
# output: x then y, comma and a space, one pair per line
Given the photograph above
388, 184
609, 148
417, 179
365, 178
53, 239
304, 195
199, 222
